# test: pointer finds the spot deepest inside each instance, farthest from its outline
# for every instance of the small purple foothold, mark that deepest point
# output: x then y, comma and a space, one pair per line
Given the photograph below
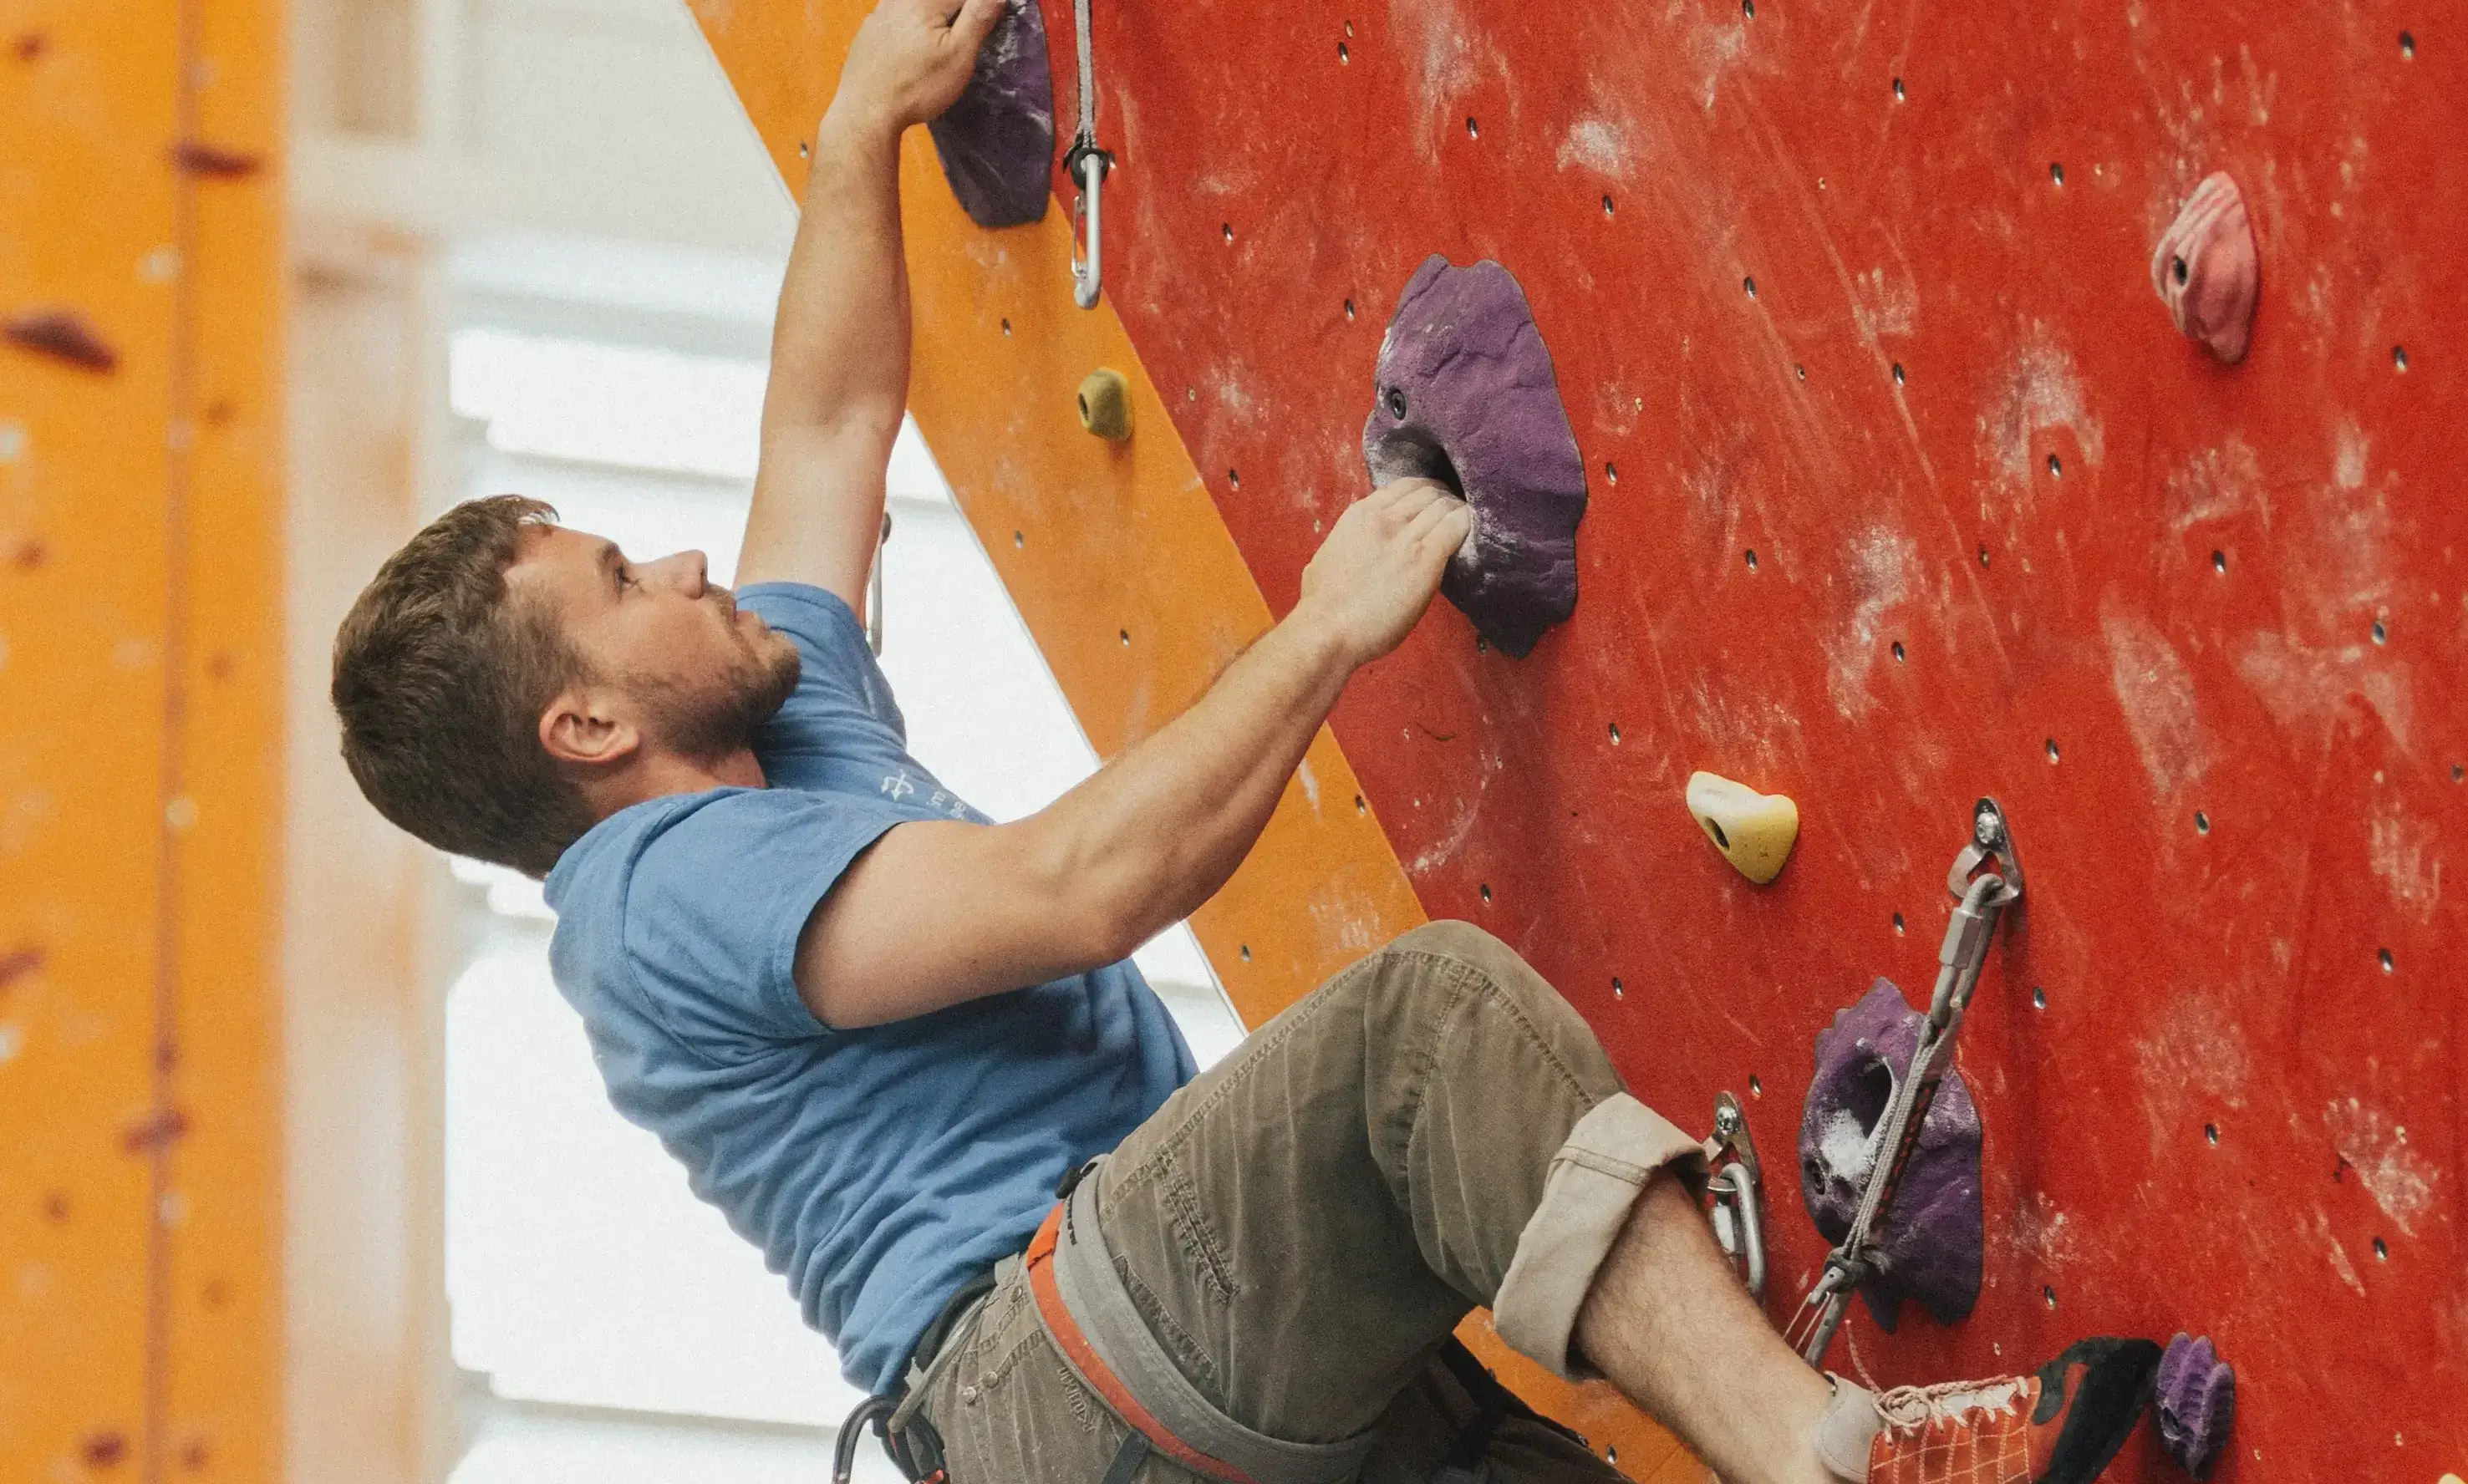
1932, 1238
1466, 396
2197, 1404
998, 142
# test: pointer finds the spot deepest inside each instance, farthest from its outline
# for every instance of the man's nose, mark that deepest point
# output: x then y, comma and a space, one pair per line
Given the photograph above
689, 570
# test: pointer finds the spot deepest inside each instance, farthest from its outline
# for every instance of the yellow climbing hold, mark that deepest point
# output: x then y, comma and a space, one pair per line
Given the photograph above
1105, 405
1753, 831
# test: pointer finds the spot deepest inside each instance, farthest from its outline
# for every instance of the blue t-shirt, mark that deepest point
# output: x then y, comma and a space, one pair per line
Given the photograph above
876, 1168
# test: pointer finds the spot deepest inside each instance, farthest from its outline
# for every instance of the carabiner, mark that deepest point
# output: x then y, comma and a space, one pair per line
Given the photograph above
1088, 165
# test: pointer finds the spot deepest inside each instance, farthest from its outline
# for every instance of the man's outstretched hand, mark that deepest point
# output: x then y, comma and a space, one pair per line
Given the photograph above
912, 59
1380, 564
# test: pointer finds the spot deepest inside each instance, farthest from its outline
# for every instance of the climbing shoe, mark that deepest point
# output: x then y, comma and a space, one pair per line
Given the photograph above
2059, 1427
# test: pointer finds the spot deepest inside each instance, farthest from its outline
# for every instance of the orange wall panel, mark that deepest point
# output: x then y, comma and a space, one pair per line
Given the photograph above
139, 654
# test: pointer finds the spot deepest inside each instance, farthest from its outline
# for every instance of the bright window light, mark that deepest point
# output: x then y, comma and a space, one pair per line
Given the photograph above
632, 406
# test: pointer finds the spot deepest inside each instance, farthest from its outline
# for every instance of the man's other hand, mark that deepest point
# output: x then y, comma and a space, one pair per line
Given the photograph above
1382, 563
912, 59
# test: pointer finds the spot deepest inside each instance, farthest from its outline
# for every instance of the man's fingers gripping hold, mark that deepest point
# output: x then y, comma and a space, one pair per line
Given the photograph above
973, 20
1438, 530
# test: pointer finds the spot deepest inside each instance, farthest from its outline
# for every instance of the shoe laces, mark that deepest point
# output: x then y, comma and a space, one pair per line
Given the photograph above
1907, 1409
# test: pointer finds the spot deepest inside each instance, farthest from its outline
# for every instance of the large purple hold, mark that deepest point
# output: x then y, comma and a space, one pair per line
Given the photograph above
998, 142
2197, 1404
1466, 396
1933, 1233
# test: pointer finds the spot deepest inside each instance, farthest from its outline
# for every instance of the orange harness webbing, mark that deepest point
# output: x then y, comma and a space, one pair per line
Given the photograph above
1092, 1369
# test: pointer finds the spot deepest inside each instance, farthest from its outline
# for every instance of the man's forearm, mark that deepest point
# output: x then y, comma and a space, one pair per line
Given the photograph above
1155, 833
839, 367
839, 349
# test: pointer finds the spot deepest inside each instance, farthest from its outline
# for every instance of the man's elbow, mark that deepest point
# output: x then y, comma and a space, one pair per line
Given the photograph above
1096, 905
862, 423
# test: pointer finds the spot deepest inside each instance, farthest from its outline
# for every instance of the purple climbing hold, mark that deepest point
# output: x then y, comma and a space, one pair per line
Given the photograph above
998, 142
1466, 396
1932, 1236
2197, 1404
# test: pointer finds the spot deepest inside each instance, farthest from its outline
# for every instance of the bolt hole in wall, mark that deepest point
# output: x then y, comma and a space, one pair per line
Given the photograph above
580, 1269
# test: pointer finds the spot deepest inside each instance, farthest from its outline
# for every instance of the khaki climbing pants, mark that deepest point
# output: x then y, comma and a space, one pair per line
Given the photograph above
1303, 1226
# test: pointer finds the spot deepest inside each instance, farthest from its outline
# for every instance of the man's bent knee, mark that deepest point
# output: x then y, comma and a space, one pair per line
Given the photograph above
1470, 954
1463, 943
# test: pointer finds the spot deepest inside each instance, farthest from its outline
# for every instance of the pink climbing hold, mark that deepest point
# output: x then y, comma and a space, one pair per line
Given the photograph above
2205, 269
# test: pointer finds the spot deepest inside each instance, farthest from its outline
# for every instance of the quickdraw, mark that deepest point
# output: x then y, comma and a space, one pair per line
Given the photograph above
1987, 878
1087, 165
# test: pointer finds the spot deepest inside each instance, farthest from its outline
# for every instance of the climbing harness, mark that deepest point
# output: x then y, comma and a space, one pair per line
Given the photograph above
1737, 1191
910, 1441
1087, 165
1088, 1311
1987, 878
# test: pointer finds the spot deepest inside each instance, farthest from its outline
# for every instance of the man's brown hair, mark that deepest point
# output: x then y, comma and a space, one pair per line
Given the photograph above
440, 677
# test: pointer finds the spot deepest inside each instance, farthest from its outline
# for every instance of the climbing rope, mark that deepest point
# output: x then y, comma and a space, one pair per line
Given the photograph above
1988, 879
874, 590
1087, 165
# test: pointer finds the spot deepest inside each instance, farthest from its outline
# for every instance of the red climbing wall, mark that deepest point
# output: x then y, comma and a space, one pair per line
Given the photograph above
1942, 505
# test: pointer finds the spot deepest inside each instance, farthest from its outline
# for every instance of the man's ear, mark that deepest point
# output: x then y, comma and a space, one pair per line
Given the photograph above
579, 727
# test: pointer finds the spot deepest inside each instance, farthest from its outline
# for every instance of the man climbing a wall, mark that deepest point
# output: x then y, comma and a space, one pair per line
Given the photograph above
879, 1031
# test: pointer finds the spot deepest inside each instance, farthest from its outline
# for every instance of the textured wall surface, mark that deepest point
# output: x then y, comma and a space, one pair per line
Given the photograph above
1904, 490
140, 655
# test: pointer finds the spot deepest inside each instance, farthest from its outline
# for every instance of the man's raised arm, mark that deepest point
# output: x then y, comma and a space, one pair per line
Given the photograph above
937, 912
839, 344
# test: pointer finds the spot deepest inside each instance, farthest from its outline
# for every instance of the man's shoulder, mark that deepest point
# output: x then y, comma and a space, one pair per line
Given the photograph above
682, 831
688, 909
816, 615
